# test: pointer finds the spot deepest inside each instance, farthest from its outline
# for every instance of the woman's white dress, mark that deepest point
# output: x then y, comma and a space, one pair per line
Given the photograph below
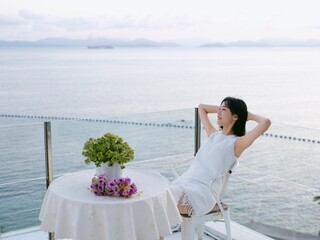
203, 184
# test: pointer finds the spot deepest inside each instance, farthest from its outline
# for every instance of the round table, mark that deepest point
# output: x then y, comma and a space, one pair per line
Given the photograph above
70, 210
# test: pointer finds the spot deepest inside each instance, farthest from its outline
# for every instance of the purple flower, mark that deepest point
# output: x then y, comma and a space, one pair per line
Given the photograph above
111, 183
98, 193
127, 181
102, 186
133, 189
109, 192
120, 180
115, 189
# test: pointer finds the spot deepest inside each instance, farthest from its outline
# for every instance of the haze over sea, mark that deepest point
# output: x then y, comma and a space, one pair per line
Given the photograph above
281, 83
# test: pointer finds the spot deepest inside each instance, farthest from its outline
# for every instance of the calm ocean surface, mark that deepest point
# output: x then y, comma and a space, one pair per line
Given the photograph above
281, 83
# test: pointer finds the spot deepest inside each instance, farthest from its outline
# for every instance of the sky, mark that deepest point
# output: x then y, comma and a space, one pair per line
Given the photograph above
162, 20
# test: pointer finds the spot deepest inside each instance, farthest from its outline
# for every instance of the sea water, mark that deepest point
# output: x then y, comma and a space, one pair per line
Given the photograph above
281, 83
135, 85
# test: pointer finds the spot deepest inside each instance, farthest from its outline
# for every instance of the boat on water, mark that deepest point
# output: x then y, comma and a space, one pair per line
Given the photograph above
100, 47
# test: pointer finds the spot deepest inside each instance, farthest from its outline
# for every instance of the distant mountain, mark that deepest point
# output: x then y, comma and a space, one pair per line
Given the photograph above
248, 44
123, 42
140, 42
149, 43
237, 44
65, 42
268, 43
209, 45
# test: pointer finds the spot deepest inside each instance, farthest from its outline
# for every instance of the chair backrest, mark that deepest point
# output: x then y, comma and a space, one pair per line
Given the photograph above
226, 179
218, 195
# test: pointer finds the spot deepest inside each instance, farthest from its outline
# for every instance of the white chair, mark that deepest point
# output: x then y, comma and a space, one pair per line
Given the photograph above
193, 224
220, 212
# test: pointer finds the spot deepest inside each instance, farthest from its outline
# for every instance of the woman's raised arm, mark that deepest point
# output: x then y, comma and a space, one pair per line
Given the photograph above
204, 109
245, 141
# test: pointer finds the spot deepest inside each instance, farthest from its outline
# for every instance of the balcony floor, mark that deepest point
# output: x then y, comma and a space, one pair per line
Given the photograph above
217, 230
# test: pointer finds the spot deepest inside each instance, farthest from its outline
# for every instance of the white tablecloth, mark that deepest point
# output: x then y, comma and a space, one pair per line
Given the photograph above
70, 210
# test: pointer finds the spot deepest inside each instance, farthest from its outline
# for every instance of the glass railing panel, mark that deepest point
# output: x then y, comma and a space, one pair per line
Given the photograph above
22, 178
274, 184
294, 159
277, 180
151, 135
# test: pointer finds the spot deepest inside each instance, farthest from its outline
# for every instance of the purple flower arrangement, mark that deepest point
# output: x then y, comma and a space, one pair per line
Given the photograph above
122, 187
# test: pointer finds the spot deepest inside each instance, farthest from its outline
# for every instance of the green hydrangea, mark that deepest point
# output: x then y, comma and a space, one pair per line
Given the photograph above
109, 148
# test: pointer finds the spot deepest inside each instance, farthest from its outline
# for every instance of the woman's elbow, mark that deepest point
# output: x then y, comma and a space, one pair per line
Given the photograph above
267, 123
201, 108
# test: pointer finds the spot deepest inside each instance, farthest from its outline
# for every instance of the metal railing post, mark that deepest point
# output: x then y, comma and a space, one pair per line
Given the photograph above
48, 160
197, 131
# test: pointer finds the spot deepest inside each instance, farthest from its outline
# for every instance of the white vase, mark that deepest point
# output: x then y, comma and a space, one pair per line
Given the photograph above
112, 172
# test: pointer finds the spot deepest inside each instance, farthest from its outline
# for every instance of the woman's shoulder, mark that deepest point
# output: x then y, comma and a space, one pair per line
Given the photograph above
222, 135
214, 133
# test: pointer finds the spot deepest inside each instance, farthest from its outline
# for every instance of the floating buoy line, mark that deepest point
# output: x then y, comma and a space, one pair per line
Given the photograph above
292, 138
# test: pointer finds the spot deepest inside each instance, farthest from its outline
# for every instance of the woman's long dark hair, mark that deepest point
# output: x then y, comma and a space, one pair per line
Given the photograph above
239, 107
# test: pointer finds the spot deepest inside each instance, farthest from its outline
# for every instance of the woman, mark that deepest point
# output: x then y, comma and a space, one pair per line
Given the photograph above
202, 185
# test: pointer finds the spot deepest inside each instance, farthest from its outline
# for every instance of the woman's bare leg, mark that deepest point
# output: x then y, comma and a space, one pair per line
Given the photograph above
183, 207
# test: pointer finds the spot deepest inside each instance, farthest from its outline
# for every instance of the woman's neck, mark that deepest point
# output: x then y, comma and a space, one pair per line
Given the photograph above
227, 130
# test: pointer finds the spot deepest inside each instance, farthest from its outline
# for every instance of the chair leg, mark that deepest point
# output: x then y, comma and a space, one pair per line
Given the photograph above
200, 231
226, 216
188, 228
